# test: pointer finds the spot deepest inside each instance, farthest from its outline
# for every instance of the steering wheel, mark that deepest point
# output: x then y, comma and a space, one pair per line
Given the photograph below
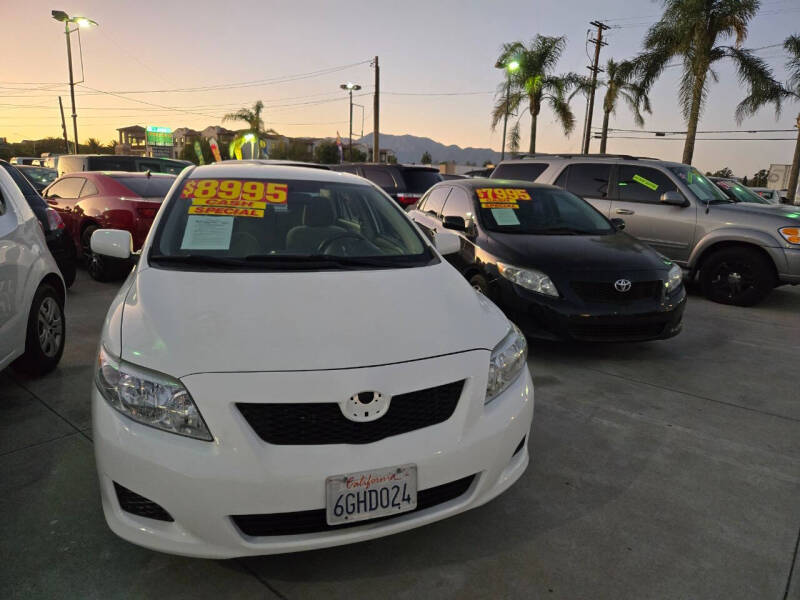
325, 245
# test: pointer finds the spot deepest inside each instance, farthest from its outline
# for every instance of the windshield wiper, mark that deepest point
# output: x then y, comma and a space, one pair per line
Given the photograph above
325, 261
196, 259
563, 231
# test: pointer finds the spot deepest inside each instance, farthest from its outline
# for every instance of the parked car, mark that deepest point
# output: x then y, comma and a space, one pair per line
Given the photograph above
32, 293
557, 267
120, 200
277, 162
74, 163
58, 239
451, 176
404, 183
39, 177
23, 160
738, 251
770, 195
737, 192
300, 369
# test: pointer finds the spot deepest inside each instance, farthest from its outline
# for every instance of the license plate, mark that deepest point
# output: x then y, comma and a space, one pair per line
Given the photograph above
370, 494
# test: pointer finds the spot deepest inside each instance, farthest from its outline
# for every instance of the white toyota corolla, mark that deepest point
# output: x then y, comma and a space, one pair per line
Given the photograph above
292, 365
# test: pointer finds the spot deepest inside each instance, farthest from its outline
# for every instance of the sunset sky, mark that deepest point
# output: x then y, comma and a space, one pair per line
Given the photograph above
429, 47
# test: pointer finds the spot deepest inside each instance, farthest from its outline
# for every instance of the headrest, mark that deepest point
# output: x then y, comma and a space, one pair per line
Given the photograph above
319, 213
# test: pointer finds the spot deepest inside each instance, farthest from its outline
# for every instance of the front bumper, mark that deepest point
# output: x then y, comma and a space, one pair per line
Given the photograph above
202, 484
791, 272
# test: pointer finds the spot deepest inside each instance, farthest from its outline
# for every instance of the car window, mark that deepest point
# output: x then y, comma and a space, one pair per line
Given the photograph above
436, 200
156, 186
69, 187
149, 165
380, 177
419, 181
40, 175
353, 170
458, 204
111, 163
89, 189
31, 195
638, 184
561, 180
701, 186
589, 180
521, 171
737, 192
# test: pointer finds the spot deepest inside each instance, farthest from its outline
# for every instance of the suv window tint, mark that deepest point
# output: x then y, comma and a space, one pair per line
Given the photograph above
419, 181
89, 189
380, 177
589, 180
561, 181
353, 170
458, 204
521, 171
69, 187
436, 200
641, 184
111, 163
147, 187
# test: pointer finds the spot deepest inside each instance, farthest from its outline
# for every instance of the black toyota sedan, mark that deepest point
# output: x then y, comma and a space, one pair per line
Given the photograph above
554, 264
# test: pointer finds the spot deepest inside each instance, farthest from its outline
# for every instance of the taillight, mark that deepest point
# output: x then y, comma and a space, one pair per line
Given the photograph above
407, 199
147, 212
54, 220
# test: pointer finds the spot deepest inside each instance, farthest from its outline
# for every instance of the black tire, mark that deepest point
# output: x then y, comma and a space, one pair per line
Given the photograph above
478, 282
738, 276
46, 333
101, 268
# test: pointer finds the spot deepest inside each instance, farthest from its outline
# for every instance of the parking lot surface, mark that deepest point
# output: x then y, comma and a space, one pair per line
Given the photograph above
660, 470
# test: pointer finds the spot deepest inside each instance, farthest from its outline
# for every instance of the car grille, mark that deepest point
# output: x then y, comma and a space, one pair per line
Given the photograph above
314, 521
627, 331
139, 505
597, 291
323, 422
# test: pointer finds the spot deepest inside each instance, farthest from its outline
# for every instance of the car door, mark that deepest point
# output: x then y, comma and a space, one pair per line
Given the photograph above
637, 199
63, 196
459, 204
428, 217
590, 181
15, 257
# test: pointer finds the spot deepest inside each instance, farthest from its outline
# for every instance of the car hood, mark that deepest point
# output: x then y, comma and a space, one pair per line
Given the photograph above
789, 212
576, 252
185, 322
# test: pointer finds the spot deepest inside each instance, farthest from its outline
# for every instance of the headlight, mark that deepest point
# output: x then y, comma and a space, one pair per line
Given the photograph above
506, 363
530, 279
149, 397
790, 234
674, 278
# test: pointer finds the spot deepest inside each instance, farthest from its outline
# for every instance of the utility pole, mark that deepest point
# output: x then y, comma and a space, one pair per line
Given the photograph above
376, 109
63, 125
595, 69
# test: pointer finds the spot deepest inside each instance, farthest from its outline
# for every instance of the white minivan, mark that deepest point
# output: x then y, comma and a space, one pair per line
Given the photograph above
292, 365
32, 292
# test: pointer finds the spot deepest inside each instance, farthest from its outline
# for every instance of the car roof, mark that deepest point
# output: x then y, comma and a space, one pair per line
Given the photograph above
115, 174
243, 170
473, 183
275, 161
589, 158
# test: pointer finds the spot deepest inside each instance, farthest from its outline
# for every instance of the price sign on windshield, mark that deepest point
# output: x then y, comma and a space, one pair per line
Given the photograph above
236, 197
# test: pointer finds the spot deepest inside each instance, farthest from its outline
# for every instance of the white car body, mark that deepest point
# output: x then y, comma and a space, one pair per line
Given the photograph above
299, 337
25, 262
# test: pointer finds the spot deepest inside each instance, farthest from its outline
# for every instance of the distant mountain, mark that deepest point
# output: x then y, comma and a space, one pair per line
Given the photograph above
410, 148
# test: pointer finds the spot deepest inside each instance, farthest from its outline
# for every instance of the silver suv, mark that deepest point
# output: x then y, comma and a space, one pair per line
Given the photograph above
738, 251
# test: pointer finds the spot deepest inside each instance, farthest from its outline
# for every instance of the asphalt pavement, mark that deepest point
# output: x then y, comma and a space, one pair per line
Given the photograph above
659, 470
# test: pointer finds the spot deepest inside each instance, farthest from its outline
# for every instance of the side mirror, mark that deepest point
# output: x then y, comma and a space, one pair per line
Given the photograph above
454, 222
619, 224
674, 198
447, 242
115, 243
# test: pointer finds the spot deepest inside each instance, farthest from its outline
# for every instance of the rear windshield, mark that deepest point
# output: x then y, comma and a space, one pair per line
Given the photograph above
147, 187
419, 180
285, 225
540, 211
521, 171
111, 163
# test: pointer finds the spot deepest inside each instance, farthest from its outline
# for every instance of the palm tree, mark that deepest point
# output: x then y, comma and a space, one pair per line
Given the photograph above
94, 145
252, 116
776, 94
690, 31
535, 82
619, 83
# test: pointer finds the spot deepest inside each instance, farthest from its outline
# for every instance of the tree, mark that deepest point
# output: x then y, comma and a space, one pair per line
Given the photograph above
744, 181
291, 150
760, 178
723, 172
327, 153
251, 116
357, 155
775, 93
690, 30
426, 158
94, 146
534, 82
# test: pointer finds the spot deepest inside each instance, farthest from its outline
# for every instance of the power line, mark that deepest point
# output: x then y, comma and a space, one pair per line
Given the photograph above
624, 137
664, 132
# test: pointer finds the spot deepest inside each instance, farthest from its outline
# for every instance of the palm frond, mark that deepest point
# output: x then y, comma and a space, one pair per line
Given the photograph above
792, 47
563, 113
754, 73
514, 138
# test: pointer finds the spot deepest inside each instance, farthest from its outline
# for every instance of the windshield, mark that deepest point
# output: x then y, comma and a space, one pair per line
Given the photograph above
538, 211
155, 186
703, 189
40, 176
285, 225
738, 192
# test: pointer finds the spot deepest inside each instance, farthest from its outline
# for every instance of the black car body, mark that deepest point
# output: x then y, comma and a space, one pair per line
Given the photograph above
38, 177
609, 286
56, 235
405, 183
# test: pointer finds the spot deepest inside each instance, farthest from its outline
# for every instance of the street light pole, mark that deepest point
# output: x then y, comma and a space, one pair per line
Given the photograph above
349, 86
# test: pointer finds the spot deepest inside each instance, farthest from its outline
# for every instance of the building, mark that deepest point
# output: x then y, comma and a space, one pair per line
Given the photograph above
145, 141
131, 140
182, 137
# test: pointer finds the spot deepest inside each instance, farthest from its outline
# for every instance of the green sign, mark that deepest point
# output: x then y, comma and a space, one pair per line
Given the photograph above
158, 136
645, 182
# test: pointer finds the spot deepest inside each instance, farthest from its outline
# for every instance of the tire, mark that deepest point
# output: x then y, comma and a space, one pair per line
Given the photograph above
479, 284
738, 276
46, 333
101, 268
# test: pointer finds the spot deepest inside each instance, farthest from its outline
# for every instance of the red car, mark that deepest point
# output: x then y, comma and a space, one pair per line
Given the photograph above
107, 200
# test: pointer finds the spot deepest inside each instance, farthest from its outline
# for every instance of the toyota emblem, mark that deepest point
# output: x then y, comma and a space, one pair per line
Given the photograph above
622, 285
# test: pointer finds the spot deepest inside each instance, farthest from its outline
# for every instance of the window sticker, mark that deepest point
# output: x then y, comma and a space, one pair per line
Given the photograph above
207, 233
645, 182
233, 197
500, 195
505, 216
